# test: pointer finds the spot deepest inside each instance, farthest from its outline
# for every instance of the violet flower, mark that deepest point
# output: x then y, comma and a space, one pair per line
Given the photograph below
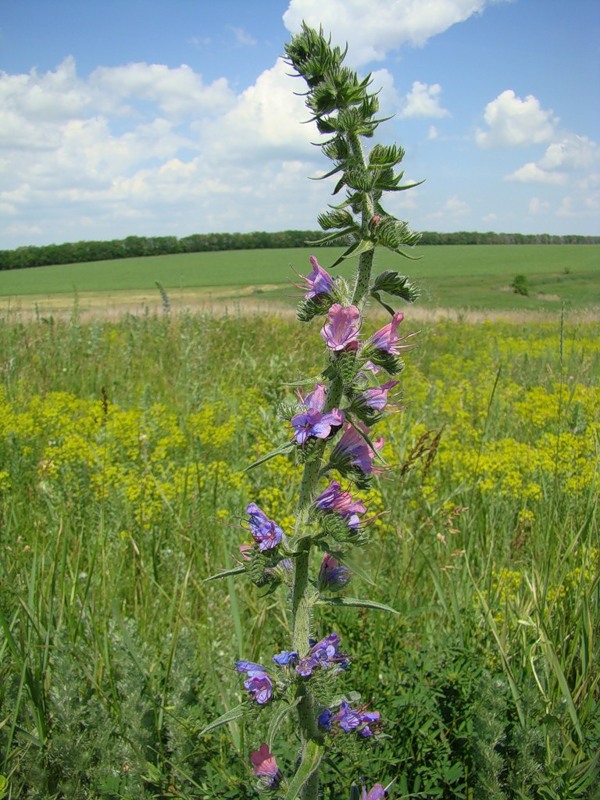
319, 281
335, 500
324, 654
332, 575
376, 793
258, 682
341, 330
286, 657
387, 338
350, 719
265, 767
376, 398
264, 531
324, 719
353, 451
313, 422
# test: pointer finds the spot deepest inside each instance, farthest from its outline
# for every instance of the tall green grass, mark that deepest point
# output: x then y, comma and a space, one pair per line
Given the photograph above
122, 483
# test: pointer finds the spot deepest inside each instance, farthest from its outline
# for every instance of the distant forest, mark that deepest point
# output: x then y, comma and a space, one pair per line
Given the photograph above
135, 246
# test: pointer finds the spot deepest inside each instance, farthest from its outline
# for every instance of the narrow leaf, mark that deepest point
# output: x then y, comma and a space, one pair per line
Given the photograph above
311, 758
284, 448
355, 250
227, 717
226, 574
355, 603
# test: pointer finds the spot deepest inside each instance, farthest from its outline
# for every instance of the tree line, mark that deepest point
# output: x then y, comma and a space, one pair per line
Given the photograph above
136, 246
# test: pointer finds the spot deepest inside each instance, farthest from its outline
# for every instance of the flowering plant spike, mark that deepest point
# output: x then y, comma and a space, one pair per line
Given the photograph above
331, 434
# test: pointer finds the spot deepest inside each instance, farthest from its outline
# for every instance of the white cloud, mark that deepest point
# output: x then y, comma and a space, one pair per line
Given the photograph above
533, 173
373, 28
432, 133
514, 122
423, 100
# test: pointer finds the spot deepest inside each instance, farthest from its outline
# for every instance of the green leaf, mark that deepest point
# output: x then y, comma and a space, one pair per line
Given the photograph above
282, 710
227, 717
355, 250
311, 758
226, 574
393, 283
354, 602
284, 448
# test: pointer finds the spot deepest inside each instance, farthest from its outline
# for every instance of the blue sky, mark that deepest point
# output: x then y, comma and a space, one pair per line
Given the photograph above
158, 117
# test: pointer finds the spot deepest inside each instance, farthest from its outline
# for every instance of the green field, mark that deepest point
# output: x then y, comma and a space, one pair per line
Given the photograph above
455, 276
123, 448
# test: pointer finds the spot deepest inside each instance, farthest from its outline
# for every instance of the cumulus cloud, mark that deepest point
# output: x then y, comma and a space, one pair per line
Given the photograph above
513, 122
154, 145
532, 173
373, 28
423, 100
564, 160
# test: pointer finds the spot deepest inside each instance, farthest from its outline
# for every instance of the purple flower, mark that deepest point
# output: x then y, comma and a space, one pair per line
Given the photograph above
319, 281
332, 575
324, 654
265, 767
258, 682
264, 531
313, 422
387, 338
350, 719
353, 451
336, 500
324, 719
286, 657
376, 793
341, 330
375, 398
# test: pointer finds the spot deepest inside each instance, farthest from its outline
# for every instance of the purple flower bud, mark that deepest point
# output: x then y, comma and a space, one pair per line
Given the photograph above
265, 767
324, 719
332, 575
353, 451
286, 657
258, 682
341, 330
319, 281
387, 338
264, 531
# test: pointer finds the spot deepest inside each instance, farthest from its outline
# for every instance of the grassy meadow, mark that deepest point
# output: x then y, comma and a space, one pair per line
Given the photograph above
449, 276
123, 447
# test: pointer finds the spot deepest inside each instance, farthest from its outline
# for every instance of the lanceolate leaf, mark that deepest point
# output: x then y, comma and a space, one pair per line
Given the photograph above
226, 574
311, 758
285, 448
227, 717
354, 602
355, 250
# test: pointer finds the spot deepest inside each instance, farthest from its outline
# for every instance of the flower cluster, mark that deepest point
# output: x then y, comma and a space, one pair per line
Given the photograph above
324, 654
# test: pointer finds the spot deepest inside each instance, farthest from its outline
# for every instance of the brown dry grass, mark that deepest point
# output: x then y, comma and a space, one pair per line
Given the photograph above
88, 306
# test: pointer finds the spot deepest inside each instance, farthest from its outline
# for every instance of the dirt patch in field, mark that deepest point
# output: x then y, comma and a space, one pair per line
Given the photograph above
226, 302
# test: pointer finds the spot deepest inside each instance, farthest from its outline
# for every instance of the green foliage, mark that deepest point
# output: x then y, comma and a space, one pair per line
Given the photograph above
520, 285
122, 655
